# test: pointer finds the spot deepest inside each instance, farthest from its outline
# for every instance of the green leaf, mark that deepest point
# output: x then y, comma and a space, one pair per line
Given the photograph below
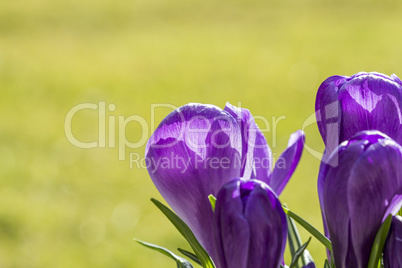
381, 263
212, 200
379, 242
185, 231
332, 260
313, 231
295, 242
181, 262
326, 264
298, 254
189, 255
293, 237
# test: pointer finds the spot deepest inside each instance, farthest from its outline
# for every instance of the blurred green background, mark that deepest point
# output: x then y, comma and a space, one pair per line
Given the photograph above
63, 206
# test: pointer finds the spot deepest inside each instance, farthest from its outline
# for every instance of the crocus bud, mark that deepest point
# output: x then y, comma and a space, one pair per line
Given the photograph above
365, 101
250, 226
358, 193
393, 246
198, 148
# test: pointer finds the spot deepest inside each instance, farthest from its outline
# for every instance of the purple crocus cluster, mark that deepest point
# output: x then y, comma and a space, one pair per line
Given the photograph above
201, 150
360, 178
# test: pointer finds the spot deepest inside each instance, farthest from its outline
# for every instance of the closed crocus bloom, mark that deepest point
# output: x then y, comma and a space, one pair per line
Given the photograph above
250, 226
359, 187
198, 148
365, 101
393, 246
191, 155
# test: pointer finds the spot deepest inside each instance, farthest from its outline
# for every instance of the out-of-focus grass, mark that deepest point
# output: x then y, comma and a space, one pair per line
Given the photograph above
62, 206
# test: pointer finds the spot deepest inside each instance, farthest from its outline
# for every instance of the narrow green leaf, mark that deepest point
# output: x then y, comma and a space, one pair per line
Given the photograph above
379, 242
332, 260
313, 231
295, 242
181, 262
326, 264
185, 231
212, 200
189, 255
298, 254
381, 263
293, 237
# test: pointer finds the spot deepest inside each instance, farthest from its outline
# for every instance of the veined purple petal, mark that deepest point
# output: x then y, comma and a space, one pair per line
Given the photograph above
371, 102
287, 162
259, 234
393, 246
256, 154
191, 155
364, 101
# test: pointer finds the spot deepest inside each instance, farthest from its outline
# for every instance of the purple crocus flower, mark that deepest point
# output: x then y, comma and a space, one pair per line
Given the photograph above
393, 246
365, 101
198, 148
250, 226
358, 188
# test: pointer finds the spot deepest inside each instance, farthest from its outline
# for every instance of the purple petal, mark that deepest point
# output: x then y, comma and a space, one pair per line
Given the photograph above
322, 173
268, 230
364, 101
287, 162
191, 155
231, 228
336, 206
396, 79
393, 246
369, 102
256, 154
394, 206
368, 137
375, 180
328, 112
250, 226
